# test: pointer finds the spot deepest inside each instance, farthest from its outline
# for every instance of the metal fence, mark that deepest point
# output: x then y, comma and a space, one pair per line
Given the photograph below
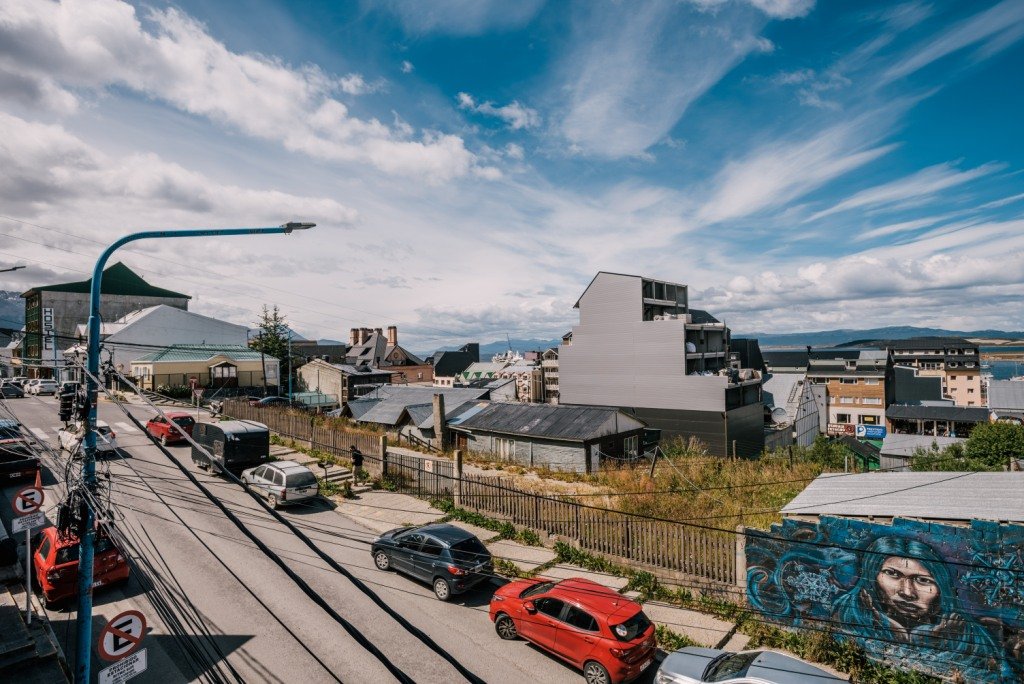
711, 559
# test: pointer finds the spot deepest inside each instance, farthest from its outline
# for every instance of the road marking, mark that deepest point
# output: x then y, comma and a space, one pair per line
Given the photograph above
127, 427
39, 433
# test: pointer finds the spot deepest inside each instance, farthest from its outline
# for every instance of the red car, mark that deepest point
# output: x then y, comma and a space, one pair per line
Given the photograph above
56, 564
170, 431
584, 623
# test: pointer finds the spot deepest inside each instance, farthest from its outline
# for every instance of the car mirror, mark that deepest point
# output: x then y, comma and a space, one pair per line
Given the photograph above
529, 607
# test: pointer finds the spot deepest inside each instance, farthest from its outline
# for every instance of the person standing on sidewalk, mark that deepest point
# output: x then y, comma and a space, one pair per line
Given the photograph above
357, 464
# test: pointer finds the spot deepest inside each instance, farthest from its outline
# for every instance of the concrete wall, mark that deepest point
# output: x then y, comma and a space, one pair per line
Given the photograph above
940, 599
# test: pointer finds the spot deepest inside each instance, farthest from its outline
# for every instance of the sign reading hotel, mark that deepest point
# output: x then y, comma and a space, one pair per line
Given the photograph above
48, 329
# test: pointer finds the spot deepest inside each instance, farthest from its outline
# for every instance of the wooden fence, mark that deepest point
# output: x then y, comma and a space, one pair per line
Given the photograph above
672, 550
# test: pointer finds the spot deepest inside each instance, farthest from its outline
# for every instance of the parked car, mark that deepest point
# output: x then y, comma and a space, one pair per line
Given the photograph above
694, 665
45, 386
68, 438
28, 385
173, 428
451, 559
588, 625
234, 444
9, 390
273, 401
17, 461
56, 564
282, 482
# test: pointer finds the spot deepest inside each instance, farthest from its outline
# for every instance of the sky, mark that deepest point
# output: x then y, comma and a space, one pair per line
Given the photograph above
471, 165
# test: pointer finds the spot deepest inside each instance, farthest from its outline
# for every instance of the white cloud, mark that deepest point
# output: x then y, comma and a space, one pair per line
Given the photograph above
776, 9
995, 204
781, 172
996, 28
516, 115
407, 66
96, 44
901, 227
924, 183
622, 70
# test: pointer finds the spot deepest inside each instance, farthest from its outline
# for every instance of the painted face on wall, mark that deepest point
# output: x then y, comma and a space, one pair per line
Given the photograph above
907, 589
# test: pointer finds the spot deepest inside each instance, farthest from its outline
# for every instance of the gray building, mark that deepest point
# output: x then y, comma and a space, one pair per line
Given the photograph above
1006, 399
341, 381
640, 347
566, 438
791, 411
53, 312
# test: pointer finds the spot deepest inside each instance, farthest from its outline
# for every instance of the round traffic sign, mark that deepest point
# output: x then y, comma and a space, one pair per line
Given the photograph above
28, 500
122, 635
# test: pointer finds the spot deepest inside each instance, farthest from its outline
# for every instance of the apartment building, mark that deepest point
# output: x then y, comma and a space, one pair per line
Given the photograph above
953, 359
858, 386
549, 364
639, 346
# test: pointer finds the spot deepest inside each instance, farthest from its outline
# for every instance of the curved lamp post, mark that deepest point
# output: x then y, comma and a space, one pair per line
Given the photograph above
88, 540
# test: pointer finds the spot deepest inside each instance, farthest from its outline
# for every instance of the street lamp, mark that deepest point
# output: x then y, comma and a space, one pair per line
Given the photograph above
88, 540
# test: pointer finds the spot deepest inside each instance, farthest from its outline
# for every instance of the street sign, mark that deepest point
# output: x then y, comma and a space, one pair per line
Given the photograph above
27, 522
122, 635
193, 381
197, 392
124, 669
28, 500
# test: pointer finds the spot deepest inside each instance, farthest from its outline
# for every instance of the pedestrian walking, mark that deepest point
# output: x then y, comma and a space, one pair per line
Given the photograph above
357, 463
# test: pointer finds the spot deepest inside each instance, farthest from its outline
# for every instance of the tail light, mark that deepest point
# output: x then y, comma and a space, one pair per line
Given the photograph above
621, 653
457, 571
54, 575
284, 494
113, 434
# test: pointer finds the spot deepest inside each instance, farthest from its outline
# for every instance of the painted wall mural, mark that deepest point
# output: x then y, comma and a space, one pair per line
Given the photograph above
936, 598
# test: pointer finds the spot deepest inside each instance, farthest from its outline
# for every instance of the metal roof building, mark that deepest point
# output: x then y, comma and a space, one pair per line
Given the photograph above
939, 496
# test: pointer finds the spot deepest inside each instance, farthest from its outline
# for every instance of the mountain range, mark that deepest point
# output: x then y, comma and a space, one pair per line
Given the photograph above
848, 336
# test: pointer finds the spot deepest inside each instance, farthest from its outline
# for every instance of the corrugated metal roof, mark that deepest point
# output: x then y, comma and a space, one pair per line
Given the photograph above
391, 401
1006, 394
967, 414
907, 445
200, 352
571, 423
930, 495
117, 280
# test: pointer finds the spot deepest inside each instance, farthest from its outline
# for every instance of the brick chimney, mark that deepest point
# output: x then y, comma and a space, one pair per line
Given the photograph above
353, 337
379, 331
393, 335
364, 335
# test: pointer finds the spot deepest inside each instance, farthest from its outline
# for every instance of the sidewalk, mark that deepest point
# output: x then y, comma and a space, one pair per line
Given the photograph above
383, 511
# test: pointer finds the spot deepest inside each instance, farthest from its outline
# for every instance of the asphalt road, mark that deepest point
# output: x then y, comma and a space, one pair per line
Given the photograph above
237, 606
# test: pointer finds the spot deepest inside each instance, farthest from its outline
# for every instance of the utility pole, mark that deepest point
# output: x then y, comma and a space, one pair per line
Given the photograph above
263, 364
56, 372
289, 366
87, 543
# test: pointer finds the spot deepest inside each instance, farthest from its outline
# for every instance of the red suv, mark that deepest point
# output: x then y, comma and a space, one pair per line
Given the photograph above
596, 629
56, 564
170, 431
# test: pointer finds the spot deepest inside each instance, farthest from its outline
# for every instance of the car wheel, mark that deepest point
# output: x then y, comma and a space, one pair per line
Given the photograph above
595, 673
272, 500
382, 561
442, 590
506, 628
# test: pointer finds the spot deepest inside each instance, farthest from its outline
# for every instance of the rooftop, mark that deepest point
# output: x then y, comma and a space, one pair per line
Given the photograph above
1006, 394
935, 411
929, 495
549, 421
914, 343
117, 280
199, 352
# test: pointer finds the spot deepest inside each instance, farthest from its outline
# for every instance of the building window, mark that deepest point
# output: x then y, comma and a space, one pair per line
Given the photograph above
842, 417
848, 381
868, 420
871, 401
505, 448
952, 377
970, 390
845, 400
631, 446
871, 381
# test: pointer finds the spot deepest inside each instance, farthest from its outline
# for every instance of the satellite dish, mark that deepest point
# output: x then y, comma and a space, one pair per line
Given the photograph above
779, 415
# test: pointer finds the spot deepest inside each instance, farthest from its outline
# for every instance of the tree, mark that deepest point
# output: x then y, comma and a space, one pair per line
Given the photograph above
272, 338
995, 445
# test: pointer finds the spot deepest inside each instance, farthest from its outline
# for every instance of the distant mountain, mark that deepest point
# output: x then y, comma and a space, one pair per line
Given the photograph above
12, 309
491, 348
848, 336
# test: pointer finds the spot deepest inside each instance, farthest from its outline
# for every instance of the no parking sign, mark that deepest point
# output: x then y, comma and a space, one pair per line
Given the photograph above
122, 636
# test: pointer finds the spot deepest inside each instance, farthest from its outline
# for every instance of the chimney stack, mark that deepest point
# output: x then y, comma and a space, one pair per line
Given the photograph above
353, 337
379, 331
364, 335
393, 335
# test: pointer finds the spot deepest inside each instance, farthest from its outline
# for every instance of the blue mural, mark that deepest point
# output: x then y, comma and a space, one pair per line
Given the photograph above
941, 599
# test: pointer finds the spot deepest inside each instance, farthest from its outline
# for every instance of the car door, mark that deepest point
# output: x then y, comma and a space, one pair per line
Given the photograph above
577, 634
406, 546
425, 560
257, 481
541, 626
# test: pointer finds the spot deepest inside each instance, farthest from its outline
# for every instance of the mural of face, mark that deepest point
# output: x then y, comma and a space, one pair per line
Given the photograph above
907, 589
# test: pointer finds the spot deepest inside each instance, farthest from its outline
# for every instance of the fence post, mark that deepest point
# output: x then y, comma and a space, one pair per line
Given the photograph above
741, 559
383, 456
457, 492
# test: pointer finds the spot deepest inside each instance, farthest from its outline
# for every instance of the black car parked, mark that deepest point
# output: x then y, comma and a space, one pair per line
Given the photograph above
451, 559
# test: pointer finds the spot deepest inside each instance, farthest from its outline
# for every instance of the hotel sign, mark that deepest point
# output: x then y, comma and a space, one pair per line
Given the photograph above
48, 329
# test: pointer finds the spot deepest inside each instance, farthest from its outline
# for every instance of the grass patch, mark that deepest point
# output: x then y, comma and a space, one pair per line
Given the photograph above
504, 529
672, 641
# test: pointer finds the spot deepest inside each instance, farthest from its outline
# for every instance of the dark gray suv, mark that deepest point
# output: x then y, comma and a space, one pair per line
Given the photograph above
451, 559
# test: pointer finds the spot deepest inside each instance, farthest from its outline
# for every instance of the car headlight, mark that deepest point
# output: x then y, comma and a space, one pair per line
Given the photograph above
668, 678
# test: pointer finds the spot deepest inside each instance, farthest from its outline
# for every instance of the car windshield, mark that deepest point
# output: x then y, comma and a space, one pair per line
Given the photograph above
537, 589
302, 479
729, 666
10, 432
184, 421
470, 551
631, 628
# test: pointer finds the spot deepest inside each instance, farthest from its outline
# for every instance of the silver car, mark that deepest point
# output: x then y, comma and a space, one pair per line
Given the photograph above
282, 482
694, 665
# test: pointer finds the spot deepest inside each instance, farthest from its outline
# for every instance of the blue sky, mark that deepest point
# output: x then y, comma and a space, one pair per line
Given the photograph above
799, 165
